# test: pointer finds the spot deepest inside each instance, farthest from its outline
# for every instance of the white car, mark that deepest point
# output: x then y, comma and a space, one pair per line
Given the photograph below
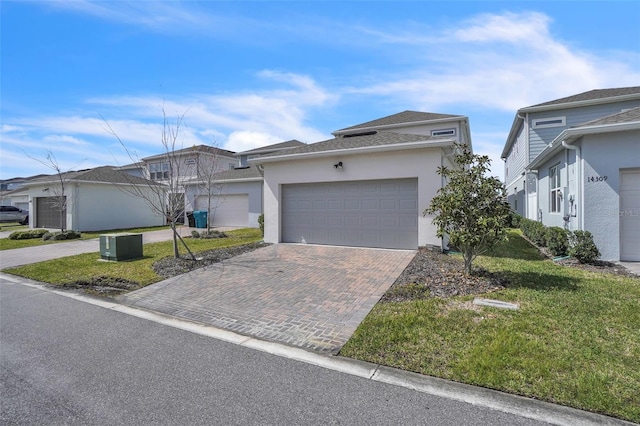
14, 214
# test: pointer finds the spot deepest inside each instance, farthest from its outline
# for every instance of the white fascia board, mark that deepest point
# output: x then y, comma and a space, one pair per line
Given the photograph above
572, 134
515, 126
397, 125
221, 181
576, 104
354, 151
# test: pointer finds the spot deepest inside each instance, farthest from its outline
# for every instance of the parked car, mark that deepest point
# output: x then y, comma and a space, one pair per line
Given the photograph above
14, 214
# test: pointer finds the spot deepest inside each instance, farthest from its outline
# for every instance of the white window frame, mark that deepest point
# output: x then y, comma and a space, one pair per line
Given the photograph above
549, 122
443, 132
555, 189
159, 170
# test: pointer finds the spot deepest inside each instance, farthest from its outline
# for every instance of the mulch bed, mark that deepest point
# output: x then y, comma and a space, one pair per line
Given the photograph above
432, 273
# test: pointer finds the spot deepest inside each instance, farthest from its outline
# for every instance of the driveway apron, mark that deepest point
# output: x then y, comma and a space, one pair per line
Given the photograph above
308, 296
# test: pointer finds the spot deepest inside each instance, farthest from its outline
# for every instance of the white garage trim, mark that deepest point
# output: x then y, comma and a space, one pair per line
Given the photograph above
371, 213
226, 210
630, 215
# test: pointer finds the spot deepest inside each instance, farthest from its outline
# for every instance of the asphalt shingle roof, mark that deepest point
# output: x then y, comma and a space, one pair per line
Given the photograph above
106, 174
630, 116
195, 148
282, 145
239, 173
399, 118
377, 139
593, 95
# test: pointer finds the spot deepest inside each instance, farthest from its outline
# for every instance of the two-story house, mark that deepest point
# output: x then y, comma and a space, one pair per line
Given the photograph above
368, 186
236, 198
574, 162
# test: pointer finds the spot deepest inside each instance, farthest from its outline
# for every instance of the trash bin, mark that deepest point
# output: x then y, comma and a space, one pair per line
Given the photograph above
191, 220
200, 217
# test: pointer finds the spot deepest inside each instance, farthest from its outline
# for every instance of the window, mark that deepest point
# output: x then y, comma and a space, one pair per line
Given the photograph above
555, 194
549, 122
443, 132
159, 171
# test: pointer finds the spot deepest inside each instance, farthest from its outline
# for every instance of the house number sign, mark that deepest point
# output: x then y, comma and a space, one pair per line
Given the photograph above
596, 178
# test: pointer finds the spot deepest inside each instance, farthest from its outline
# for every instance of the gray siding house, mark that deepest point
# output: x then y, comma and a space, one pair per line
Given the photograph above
575, 163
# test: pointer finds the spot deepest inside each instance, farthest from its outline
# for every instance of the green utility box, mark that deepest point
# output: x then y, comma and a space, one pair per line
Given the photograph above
120, 246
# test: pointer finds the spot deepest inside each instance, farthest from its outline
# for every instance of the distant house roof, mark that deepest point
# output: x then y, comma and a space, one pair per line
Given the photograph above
249, 173
271, 148
622, 121
196, 148
104, 174
405, 117
357, 143
592, 96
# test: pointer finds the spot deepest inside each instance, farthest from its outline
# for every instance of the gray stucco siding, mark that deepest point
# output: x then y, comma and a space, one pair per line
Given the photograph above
539, 138
604, 157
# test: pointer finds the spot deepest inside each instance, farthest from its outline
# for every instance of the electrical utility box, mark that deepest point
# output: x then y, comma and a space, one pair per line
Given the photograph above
120, 246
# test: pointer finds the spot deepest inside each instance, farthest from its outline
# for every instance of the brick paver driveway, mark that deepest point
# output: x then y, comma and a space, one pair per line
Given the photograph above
302, 295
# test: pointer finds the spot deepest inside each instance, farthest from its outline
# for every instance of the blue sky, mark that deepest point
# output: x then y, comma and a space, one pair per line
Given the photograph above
247, 74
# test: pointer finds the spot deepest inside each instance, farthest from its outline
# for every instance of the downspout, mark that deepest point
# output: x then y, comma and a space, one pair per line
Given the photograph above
579, 180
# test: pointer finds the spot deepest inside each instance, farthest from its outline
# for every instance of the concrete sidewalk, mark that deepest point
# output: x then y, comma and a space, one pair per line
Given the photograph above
28, 255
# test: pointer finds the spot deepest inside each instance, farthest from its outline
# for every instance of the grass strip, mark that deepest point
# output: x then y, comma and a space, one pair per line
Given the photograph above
575, 340
86, 267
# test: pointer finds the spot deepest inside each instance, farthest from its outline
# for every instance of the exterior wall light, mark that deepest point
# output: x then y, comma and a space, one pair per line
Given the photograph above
338, 165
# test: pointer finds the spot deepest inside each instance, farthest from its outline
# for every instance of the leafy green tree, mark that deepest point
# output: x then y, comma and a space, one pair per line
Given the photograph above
471, 209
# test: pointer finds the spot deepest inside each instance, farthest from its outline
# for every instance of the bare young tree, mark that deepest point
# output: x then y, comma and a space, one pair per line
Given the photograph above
207, 183
164, 191
57, 198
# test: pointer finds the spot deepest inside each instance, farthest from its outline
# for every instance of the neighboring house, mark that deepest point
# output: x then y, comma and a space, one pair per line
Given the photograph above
236, 199
575, 163
12, 192
366, 187
96, 199
175, 168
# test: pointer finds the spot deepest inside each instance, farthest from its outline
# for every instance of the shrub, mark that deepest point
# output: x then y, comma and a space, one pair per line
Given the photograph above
261, 223
27, 235
557, 241
59, 236
534, 230
210, 234
514, 220
583, 248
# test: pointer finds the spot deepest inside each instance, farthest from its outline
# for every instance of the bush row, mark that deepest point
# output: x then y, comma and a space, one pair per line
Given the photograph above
559, 241
27, 235
58, 236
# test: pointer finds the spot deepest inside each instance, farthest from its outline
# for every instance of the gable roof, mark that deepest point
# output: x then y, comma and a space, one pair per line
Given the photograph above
619, 122
193, 149
592, 97
103, 174
596, 96
405, 117
378, 141
270, 148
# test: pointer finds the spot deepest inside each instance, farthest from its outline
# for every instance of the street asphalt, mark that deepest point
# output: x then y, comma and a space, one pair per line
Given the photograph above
498, 402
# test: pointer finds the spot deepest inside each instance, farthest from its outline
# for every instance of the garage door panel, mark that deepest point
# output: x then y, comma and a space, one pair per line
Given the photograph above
226, 210
630, 215
363, 213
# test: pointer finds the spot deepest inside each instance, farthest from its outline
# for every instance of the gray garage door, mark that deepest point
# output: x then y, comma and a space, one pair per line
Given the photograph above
378, 213
48, 213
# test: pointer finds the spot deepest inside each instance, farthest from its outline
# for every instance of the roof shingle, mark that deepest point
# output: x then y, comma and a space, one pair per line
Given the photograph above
400, 118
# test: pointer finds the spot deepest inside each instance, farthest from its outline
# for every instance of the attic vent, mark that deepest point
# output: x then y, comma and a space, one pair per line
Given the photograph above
443, 132
353, 135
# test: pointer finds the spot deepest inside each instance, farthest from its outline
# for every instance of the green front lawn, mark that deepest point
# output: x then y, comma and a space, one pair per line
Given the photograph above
7, 244
575, 340
87, 267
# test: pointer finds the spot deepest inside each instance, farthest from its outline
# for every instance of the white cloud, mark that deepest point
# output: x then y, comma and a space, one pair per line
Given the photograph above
245, 140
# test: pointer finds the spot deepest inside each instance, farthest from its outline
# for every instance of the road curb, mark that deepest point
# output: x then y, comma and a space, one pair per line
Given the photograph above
475, 395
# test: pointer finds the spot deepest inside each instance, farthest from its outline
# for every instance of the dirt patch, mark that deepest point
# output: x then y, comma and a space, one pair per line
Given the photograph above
103, 286
599, 267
